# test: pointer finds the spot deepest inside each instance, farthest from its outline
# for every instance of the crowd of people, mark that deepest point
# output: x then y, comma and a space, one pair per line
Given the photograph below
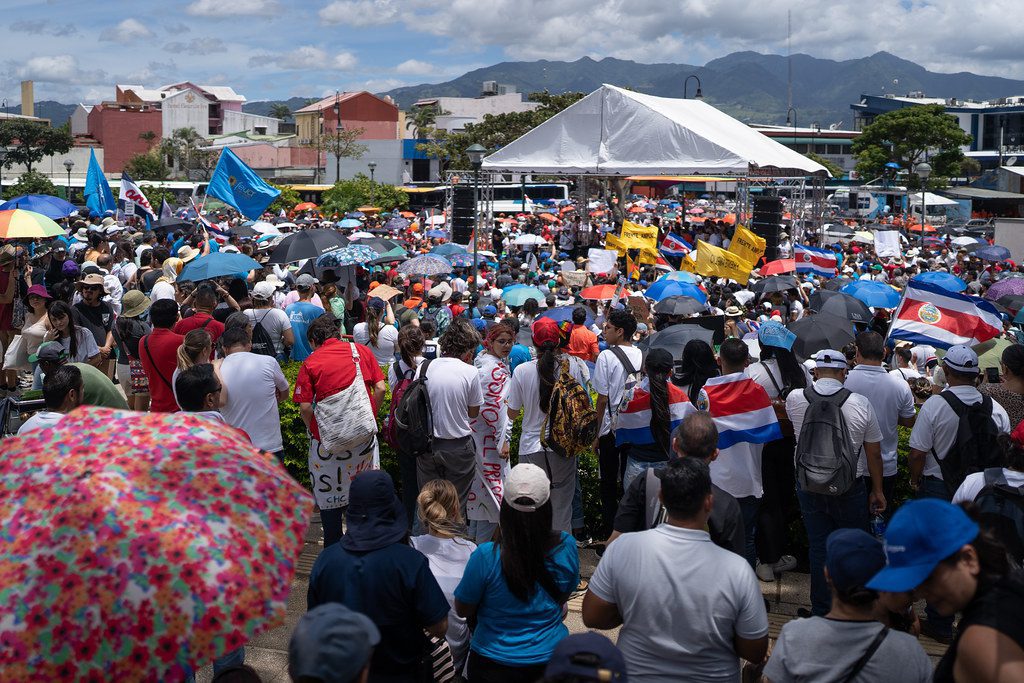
463, 563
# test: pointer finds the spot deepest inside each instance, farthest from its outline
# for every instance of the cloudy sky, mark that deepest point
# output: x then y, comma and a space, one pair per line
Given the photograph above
76, 50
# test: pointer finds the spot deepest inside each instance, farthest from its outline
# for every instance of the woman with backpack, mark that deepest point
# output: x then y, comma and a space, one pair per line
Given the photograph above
531, 389
400, 373
271, 328
129, 329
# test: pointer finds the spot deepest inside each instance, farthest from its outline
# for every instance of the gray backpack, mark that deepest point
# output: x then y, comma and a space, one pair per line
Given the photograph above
826, 462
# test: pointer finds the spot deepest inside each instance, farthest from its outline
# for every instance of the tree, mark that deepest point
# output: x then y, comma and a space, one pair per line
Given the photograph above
834, 169
28, 142
183, 148
31, 182
149, 137
147, 166
906, 137
421, 119
342, 143
280, 110
287, 200
348, 195
157, 195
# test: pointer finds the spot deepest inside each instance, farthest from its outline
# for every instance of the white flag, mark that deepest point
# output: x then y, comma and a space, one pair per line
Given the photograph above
130, 192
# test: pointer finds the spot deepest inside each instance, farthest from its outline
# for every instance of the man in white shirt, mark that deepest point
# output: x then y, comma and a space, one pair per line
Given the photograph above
609, 381
889, 396
906, 365
823, 514
255, 385
453, 385
62, 393
689, 610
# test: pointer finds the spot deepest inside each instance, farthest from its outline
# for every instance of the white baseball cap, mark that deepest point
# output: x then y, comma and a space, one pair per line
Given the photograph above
264, 291
962, 359
830, 358
527, 488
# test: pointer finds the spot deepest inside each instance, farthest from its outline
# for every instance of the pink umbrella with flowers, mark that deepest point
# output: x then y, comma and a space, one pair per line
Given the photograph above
140, 546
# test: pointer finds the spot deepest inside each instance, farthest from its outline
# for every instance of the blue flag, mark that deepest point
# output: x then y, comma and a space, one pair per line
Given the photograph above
98, 196
238, 185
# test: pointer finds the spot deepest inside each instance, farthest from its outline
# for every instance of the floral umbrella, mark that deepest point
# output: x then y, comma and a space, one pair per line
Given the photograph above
353, 254
140, 546
427, 264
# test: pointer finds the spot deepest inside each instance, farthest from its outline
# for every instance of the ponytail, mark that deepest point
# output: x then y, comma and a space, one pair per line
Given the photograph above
546, 357
661, 420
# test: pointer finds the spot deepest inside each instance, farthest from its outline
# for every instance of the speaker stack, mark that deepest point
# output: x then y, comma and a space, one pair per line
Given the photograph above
463, 214
767, 223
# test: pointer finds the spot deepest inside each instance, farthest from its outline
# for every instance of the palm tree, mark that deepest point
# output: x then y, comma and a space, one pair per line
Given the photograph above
148, 137
280, 110
421, 119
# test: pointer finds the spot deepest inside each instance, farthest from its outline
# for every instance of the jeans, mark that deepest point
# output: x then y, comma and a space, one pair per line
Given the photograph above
636, 468
485, 670
933, 487
822, 515
410, 486
332, 521
562, 474
749, 506
578, 520
888, 490
612, 462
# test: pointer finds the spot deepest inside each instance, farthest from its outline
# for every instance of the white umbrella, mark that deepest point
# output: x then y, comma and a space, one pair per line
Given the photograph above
286, 225
744, 296
529, 239
265, 228
435, 220
361, 235
965, 241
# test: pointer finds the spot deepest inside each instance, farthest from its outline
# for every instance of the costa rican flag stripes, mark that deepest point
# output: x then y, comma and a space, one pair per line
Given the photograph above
741, 410
633, 424
929, 314
814, 260
674, 245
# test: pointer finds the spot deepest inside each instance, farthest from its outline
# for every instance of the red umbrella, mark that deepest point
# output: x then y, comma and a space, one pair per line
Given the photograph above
305, 206
779, 266
600, 292
547, 217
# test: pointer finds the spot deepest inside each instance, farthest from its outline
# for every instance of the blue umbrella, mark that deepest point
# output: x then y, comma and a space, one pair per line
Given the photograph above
993, 253
349, 223
353, 254
217, 264
460, 260
874, 294
427, 264
517, 296
396, 224
666, 288
51, 207
564, 314
448, 249
947, 281
679, 276
355, 214
436, 234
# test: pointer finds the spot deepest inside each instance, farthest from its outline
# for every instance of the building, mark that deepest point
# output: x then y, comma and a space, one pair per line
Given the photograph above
456, 112
123, 130
376, 116
275, 157
397, 162
831, 144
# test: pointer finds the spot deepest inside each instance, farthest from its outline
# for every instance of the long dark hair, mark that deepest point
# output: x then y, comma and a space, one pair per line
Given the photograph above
792, 372
547, 356
410, 345
525, 538
658, 366
60, 309
696, 367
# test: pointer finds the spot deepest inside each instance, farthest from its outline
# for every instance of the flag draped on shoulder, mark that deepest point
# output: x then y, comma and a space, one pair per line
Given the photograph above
741, 410
929, 314
674, 245
633, 423
239, 186
747, 245
98, 196
718, 262
130, 193
814, 260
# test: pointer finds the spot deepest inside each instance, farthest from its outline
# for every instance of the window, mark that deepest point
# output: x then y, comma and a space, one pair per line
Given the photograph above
260, 130
835, 149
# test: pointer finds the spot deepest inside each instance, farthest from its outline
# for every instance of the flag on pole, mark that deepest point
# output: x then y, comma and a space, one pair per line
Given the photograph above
130, 192
929, 314
814, 260
674, 245
165, 210
238, 185
98, 196
632, 268
718, 262
747, 245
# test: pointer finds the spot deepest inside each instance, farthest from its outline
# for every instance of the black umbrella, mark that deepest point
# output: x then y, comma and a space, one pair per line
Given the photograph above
379, 244
674, 338
244, 231
821, 331
172, 223
836, 283
1013, 302
840, 304
775, 283
307, 244
679, 305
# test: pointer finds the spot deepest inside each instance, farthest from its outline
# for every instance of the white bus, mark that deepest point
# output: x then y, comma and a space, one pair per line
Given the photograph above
508, 197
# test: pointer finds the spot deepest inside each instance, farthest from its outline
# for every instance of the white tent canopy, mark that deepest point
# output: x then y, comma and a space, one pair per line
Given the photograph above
613, 131
931, 199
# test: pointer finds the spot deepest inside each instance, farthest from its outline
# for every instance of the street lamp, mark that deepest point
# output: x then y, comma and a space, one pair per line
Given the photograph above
68, 165
791, 121
923, 170
699, 95
373, 167
3, 157
476, 154
337, 137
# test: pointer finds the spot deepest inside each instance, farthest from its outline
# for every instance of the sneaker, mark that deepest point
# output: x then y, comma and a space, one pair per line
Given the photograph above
786, 563
765, 572
769, 572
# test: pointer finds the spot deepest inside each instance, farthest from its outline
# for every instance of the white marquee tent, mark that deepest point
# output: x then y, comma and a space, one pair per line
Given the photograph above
613, 131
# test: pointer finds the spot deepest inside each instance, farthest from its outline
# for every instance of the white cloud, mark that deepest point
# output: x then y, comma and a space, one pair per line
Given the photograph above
128, 30
308, 58
196, 46
232, 8
58, 69
345, 61
359, 12
414, 67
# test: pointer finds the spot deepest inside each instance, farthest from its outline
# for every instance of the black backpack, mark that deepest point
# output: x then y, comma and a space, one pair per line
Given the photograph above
261, 341
413, 420
826, 461
976, 447
1001, 509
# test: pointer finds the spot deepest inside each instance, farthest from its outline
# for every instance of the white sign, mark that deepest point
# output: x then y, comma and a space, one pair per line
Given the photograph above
129, 208
887, 243
601, 260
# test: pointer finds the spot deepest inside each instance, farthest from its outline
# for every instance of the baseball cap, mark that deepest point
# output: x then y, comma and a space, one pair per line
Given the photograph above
417, 288
961, 358
264, 291
527, 487
921, 534
546, 330
829, 358
376, 303
305, 281
853, 557
587, 657
331, 643
51, 351
490, 310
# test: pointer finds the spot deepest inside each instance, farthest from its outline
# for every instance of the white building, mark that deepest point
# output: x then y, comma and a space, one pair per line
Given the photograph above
211, 110
80, 119
458, 111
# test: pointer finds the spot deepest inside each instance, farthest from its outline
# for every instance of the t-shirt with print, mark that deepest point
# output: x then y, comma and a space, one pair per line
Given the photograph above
453, 387
301, 315
609, 379
525, 393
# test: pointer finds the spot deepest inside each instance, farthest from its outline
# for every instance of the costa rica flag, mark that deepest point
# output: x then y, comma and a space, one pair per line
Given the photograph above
814, 260
929, 314
674, 245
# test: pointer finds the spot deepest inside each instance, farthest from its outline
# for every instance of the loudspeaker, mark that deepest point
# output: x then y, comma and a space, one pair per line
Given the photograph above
463, 214
766, 223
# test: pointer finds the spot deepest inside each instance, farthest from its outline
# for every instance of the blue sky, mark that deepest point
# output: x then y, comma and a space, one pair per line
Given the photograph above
76, 50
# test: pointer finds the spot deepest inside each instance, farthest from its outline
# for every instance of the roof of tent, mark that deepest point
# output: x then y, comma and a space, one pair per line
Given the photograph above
932, 199
613, 131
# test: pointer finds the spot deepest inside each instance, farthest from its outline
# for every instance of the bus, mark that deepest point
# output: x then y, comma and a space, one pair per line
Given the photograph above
508, 197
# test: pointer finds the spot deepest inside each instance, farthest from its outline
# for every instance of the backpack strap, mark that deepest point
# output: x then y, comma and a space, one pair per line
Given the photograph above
868, 654
838, 398
156, 368
621, 355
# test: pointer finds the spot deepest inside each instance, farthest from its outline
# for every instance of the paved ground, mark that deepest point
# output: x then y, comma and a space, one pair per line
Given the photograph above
268, 653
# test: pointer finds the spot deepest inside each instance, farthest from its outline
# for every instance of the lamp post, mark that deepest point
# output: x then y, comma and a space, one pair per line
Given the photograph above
476, 154
373, 167
923, 170
791, 121
319, 131
337, 137
3, 158
68, 165
698, 95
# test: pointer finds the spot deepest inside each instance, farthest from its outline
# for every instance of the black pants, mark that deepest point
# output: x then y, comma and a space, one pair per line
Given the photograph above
779, 506
484, 670
410, 486
612, 462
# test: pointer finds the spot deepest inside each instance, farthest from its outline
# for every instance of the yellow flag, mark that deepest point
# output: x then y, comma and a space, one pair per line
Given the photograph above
640, 236
718, 262
688, 264
747, 245
648, 254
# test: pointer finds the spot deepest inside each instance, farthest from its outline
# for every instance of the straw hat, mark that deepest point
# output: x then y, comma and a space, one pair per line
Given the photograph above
187, 253
134, 303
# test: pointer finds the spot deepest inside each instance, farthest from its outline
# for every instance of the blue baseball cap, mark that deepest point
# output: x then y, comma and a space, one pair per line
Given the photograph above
589, 657
853, 557
331, 643
921, 534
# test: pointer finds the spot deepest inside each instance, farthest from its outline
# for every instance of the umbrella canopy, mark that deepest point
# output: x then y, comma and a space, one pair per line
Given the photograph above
845, 306
666, 288
460, 260
381, 245
863, 237
517, 296
779, 266
600, 292
874, 294
172, 223
992, 253
390, 256
396, 224
51, 207
436, 234
776, 283
18, 224
674, 337
1011, 286
835, 284
564, 314
679, 305
529, 239
435, 220
305, 206
947, 281
448, 249
217, 264
427, 264
352, 255
139, 546
1012, 302
965, 241
307, 244
265, 228
821, 331
355, 214
349, 223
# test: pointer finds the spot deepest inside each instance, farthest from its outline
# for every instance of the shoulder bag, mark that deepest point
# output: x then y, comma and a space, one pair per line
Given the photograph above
346, 419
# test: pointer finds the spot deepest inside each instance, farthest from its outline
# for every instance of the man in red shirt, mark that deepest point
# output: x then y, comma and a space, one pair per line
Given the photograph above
203, 300
158, 352
582, 342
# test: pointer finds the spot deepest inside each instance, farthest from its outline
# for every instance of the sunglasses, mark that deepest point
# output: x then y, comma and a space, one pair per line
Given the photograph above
92, 288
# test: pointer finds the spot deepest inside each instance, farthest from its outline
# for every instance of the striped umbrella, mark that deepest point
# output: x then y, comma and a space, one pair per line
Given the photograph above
18, 224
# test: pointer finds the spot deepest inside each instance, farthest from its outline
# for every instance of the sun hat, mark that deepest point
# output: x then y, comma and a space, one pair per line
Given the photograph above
134, 303
376, 517
441, 292
921, 534
527, 487
962, 359
51, 351
7, 254
92, 279
587, 657
38, 290
829, 358
733, 311
274, 280
187, 253
331, 643
852, 557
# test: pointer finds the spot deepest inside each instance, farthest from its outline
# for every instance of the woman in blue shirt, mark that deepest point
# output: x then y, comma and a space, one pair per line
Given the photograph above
516, 587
